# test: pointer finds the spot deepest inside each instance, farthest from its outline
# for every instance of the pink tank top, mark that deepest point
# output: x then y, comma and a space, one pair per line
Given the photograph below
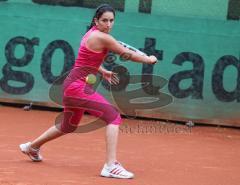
87, 62
87, 57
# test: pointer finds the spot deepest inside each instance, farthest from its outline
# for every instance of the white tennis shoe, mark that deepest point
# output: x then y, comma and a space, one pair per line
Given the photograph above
116, 171
34, 154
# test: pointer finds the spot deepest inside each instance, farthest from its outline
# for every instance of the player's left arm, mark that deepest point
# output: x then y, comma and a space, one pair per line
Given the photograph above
113, 45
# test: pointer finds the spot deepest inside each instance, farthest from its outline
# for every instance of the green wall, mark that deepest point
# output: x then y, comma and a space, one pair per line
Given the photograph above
197, 45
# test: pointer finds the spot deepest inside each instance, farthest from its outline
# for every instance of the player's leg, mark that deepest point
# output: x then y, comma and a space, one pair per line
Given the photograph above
71, 118
32, 149
108, 113
112, 130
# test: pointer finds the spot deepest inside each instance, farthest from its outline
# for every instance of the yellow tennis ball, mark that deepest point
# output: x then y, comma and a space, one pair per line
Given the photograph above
91, 79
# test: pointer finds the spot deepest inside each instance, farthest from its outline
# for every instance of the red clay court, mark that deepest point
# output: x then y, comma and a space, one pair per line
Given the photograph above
174, 155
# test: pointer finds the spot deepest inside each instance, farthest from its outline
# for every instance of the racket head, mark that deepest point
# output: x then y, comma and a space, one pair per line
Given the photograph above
132, 48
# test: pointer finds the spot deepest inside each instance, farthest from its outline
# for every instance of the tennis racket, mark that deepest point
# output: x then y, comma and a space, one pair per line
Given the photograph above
132, 48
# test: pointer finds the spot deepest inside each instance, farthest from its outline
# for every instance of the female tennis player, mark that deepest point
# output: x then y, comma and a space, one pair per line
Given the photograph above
94, 47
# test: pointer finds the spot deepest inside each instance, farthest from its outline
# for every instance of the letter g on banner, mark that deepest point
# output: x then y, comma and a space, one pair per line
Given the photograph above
18, 76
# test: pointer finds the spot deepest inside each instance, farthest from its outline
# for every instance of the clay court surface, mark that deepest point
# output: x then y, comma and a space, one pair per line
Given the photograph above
166, 154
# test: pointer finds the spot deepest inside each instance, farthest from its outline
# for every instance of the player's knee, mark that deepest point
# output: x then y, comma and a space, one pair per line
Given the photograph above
67, 128
117, 120
69, 123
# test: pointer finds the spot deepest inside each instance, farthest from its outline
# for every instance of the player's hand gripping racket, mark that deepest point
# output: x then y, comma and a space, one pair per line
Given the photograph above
152, 58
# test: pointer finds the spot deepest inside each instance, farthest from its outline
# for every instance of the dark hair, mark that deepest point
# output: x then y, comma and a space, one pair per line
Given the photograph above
99, 11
